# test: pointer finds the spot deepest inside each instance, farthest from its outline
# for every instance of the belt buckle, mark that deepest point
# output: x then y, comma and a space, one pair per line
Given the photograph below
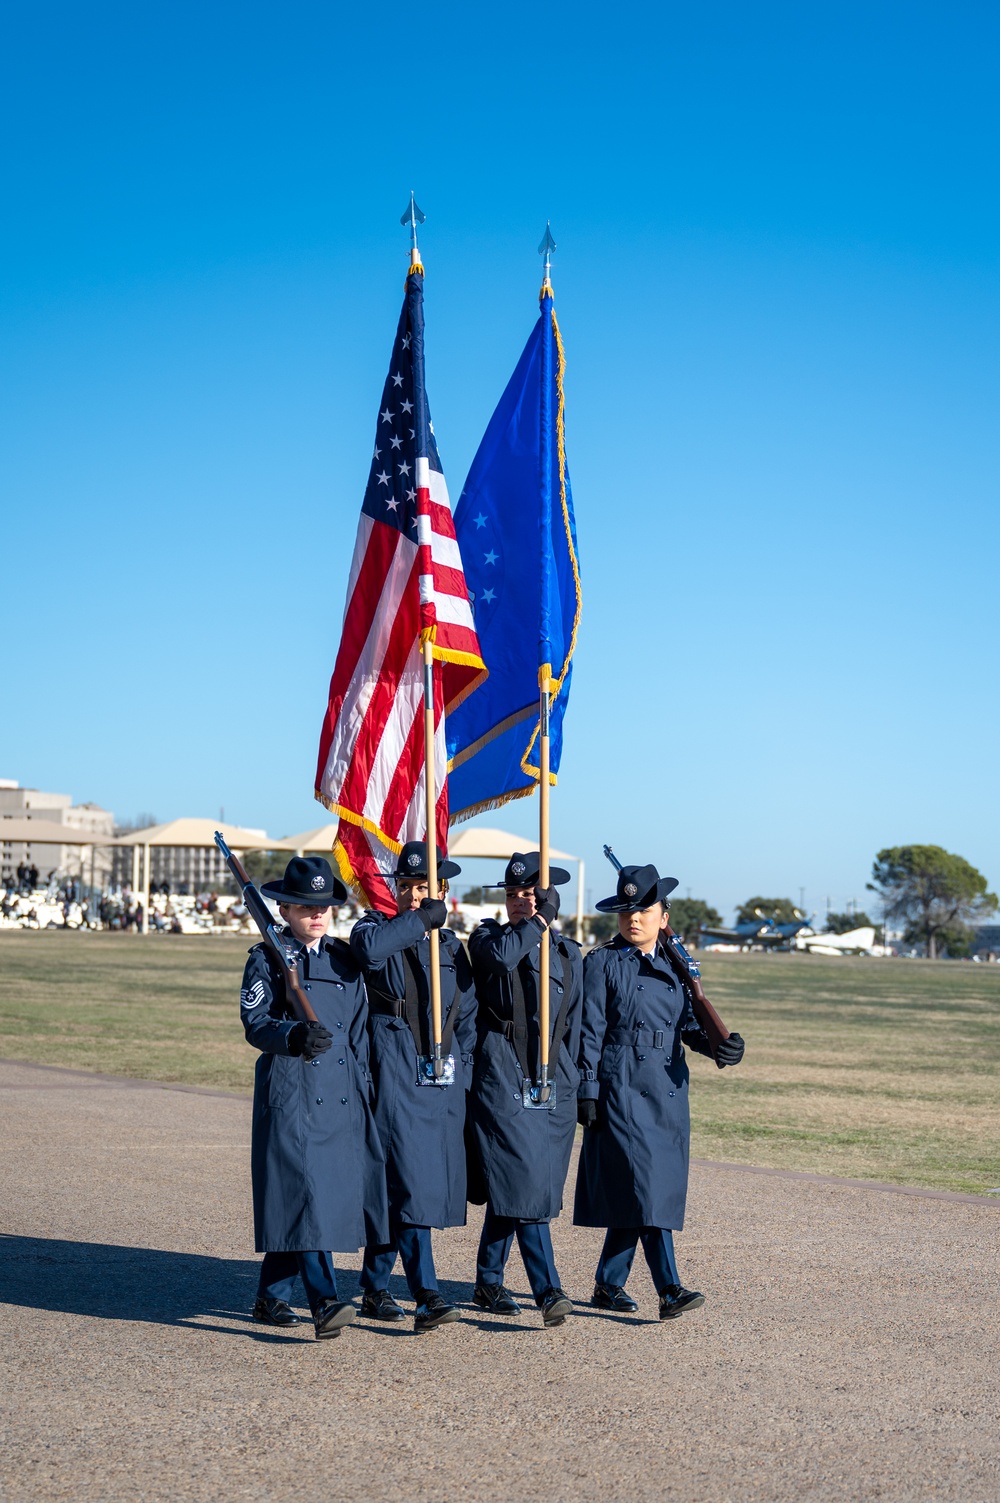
658, 1039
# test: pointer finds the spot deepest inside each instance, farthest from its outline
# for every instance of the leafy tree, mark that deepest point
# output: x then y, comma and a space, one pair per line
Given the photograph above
265, 866
782, 910
475, 896
601, 926
687, 915
843, 923
933, 892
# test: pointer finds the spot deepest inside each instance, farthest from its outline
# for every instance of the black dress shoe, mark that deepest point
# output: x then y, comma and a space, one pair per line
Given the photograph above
432, 1311
496, 1299
555, 1305
675, 1300
331, 1318
275, 1312
613, 1297
378, 1304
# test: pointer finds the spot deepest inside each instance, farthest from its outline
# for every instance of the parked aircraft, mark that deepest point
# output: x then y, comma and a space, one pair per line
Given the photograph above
854, 942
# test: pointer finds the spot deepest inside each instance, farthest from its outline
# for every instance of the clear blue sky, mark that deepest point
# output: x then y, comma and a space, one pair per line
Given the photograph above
777, 284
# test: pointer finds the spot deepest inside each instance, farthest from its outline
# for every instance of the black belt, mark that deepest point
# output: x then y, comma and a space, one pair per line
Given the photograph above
653, 1039
387, 1008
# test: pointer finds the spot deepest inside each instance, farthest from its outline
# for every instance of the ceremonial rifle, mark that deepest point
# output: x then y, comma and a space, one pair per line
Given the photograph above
688, 973
282, 950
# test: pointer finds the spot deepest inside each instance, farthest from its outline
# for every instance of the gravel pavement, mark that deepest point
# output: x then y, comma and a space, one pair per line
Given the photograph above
848, 1349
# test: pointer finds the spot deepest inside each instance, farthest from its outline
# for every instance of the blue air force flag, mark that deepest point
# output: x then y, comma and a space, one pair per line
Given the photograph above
517, 537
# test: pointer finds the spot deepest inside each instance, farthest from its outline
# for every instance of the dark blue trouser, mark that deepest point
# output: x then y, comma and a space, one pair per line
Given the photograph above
534, 1241
619, 1249
277, 1276
413, 1246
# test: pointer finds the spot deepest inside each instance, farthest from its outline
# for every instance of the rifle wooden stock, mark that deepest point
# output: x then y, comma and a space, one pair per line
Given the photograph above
714, 1027
260, 913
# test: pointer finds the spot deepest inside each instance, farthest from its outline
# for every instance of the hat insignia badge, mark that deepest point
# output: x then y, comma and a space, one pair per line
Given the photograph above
413, 859
317, 884
630, 889
517, 869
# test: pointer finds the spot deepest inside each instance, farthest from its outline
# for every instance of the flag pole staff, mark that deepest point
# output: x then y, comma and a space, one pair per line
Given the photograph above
432, 866
412, 216
545, 250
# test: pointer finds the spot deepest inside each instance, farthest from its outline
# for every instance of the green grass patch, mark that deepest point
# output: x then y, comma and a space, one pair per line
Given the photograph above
870, 1069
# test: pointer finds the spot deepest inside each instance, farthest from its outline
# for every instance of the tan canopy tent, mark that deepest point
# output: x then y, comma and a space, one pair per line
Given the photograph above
184, 833
47, 832
469, 843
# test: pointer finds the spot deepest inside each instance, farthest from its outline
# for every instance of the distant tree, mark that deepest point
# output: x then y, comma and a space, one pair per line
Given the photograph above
843, 923
601, 926
265, 866
687, 915
934, 893
782, 910
474, 895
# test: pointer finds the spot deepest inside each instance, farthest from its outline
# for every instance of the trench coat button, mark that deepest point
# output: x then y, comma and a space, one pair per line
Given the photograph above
343, 1100
308, 987
646, 1093
340, 1025
516, 1094
314, 1061
641, 1056
670, 1093
319, 1101
641, 1023
640, 987
340, 1062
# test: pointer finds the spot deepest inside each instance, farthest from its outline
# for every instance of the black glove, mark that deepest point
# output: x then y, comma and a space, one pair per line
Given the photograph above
730, 1051
586, 1112
309, 1039
433, 913
547, 903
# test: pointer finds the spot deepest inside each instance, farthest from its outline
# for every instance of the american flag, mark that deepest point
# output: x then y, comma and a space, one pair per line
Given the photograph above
407, 583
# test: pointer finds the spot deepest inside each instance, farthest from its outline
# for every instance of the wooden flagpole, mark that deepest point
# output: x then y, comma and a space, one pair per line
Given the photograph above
432, 873
546, 248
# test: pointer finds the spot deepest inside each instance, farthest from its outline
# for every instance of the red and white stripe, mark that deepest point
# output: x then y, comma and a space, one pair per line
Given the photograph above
371, 759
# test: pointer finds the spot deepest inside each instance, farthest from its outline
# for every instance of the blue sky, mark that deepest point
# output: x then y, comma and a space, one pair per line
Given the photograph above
777, 284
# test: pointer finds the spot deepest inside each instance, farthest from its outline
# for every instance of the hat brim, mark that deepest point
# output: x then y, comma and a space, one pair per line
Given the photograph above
654, 895
275, 891
446, 870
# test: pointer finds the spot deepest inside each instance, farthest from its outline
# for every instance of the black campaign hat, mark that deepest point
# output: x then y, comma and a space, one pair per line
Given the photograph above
308, 880
522, 871
411, 863
638, 887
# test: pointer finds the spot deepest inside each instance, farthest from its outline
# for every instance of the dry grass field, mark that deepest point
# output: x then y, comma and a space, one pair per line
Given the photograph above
882, 1070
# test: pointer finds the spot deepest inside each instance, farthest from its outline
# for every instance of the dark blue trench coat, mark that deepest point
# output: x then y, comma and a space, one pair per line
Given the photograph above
524, 1153
634, 1163
421, 1127
317, 1163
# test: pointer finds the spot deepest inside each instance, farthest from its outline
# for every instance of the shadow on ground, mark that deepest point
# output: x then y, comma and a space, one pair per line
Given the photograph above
108, 1282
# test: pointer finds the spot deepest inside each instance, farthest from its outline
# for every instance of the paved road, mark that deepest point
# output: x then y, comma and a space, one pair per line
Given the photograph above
848, 1349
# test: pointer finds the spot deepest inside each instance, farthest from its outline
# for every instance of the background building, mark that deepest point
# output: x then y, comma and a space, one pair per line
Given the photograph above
91, 863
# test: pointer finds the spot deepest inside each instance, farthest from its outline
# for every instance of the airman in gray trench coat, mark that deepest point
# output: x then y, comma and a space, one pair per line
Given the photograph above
633, 1170
420, 1125
317, 1163
524, 1152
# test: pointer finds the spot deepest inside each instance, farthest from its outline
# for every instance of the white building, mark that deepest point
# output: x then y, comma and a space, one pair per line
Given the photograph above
88, 862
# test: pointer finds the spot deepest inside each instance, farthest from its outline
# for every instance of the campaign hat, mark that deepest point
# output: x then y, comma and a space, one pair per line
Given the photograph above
411, 863
522, 871
308, 880
638, 887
